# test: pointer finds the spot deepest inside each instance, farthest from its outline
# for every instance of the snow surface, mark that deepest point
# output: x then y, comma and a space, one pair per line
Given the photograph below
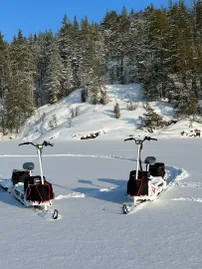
76, 119
89, 178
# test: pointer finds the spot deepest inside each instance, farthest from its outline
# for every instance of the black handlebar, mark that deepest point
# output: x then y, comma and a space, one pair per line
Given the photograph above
130, 138
150, 138
139, 141
45, 143
25, 143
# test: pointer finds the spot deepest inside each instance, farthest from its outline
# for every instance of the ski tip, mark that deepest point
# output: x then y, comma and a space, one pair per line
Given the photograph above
125, 209
55, 214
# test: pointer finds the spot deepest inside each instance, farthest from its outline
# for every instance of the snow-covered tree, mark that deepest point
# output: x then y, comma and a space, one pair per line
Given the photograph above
5, 76
66, 53
23, 88
43, 52
53, 79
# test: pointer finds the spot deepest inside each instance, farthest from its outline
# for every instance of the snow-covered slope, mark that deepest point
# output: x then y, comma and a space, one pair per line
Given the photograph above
71, 119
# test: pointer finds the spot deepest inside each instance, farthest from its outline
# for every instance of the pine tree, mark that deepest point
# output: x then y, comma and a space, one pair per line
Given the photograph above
160, 51
108, 26
4, 80
151, 120
43, 51
22, 81
183, 74
146, 58
197, 57
76, 54
53, 78
135, 46
66, 52
116, 33
91, 70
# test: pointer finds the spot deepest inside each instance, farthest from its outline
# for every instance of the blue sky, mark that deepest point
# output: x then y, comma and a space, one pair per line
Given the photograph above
34, 16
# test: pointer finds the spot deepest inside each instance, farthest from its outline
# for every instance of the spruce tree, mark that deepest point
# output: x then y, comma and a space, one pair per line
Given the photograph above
43, 45
5, 76
91, 70
22, 81
53, 79
65, 49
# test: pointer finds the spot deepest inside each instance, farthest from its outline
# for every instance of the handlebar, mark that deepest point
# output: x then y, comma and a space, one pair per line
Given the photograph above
130, 138
139, 141
38, 146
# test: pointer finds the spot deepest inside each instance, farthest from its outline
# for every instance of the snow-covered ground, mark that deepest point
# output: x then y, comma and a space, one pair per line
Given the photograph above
70, 119
89, 178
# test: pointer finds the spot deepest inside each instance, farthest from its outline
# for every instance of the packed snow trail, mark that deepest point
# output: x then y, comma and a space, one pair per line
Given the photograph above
173, 174
114, 157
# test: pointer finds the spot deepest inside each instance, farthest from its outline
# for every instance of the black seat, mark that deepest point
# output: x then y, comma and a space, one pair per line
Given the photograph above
19, 176
28, 166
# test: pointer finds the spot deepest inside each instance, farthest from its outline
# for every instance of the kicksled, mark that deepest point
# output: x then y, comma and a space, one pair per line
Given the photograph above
144, 184
32, 190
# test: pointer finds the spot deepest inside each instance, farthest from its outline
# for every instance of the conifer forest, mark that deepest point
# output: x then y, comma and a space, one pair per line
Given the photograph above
159, 48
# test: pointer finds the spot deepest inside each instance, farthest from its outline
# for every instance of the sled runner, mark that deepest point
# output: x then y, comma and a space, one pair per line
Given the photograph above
148, 184
31, 190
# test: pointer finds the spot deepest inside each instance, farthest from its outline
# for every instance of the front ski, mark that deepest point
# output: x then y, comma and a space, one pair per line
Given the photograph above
125, 209
47, 214
131, 207
128, 208
55, 214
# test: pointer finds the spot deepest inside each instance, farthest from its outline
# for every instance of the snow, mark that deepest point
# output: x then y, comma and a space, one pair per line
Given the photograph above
75, 119
89, 178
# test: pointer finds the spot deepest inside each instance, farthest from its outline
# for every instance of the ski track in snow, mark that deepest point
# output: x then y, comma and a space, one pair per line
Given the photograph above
47, 215
195, 185
70, 155
82, 195
173, 176
181, 175
197, 200
70, 195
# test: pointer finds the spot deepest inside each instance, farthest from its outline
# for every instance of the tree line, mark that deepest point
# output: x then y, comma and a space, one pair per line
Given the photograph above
159, 48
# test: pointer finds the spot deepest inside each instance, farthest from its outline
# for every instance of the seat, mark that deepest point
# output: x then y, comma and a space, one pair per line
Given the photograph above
150, 160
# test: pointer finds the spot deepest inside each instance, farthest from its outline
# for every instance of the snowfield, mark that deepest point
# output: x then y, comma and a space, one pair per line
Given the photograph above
89, 178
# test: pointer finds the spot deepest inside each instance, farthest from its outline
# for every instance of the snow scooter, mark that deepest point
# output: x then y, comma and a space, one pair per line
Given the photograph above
30, 190
144, 185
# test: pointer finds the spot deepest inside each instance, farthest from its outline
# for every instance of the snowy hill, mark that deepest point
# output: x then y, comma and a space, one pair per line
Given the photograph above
71, 119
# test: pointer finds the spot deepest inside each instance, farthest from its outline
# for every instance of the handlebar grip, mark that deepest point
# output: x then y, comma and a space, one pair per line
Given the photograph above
46, 143
25, 143
150, 138
155, 139
127, 139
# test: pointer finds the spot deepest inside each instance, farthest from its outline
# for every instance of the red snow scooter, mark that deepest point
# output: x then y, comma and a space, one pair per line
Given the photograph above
31, 191
144, 185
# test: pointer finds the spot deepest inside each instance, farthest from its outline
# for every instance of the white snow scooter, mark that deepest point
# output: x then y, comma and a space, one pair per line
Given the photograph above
144, 185
31, 191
